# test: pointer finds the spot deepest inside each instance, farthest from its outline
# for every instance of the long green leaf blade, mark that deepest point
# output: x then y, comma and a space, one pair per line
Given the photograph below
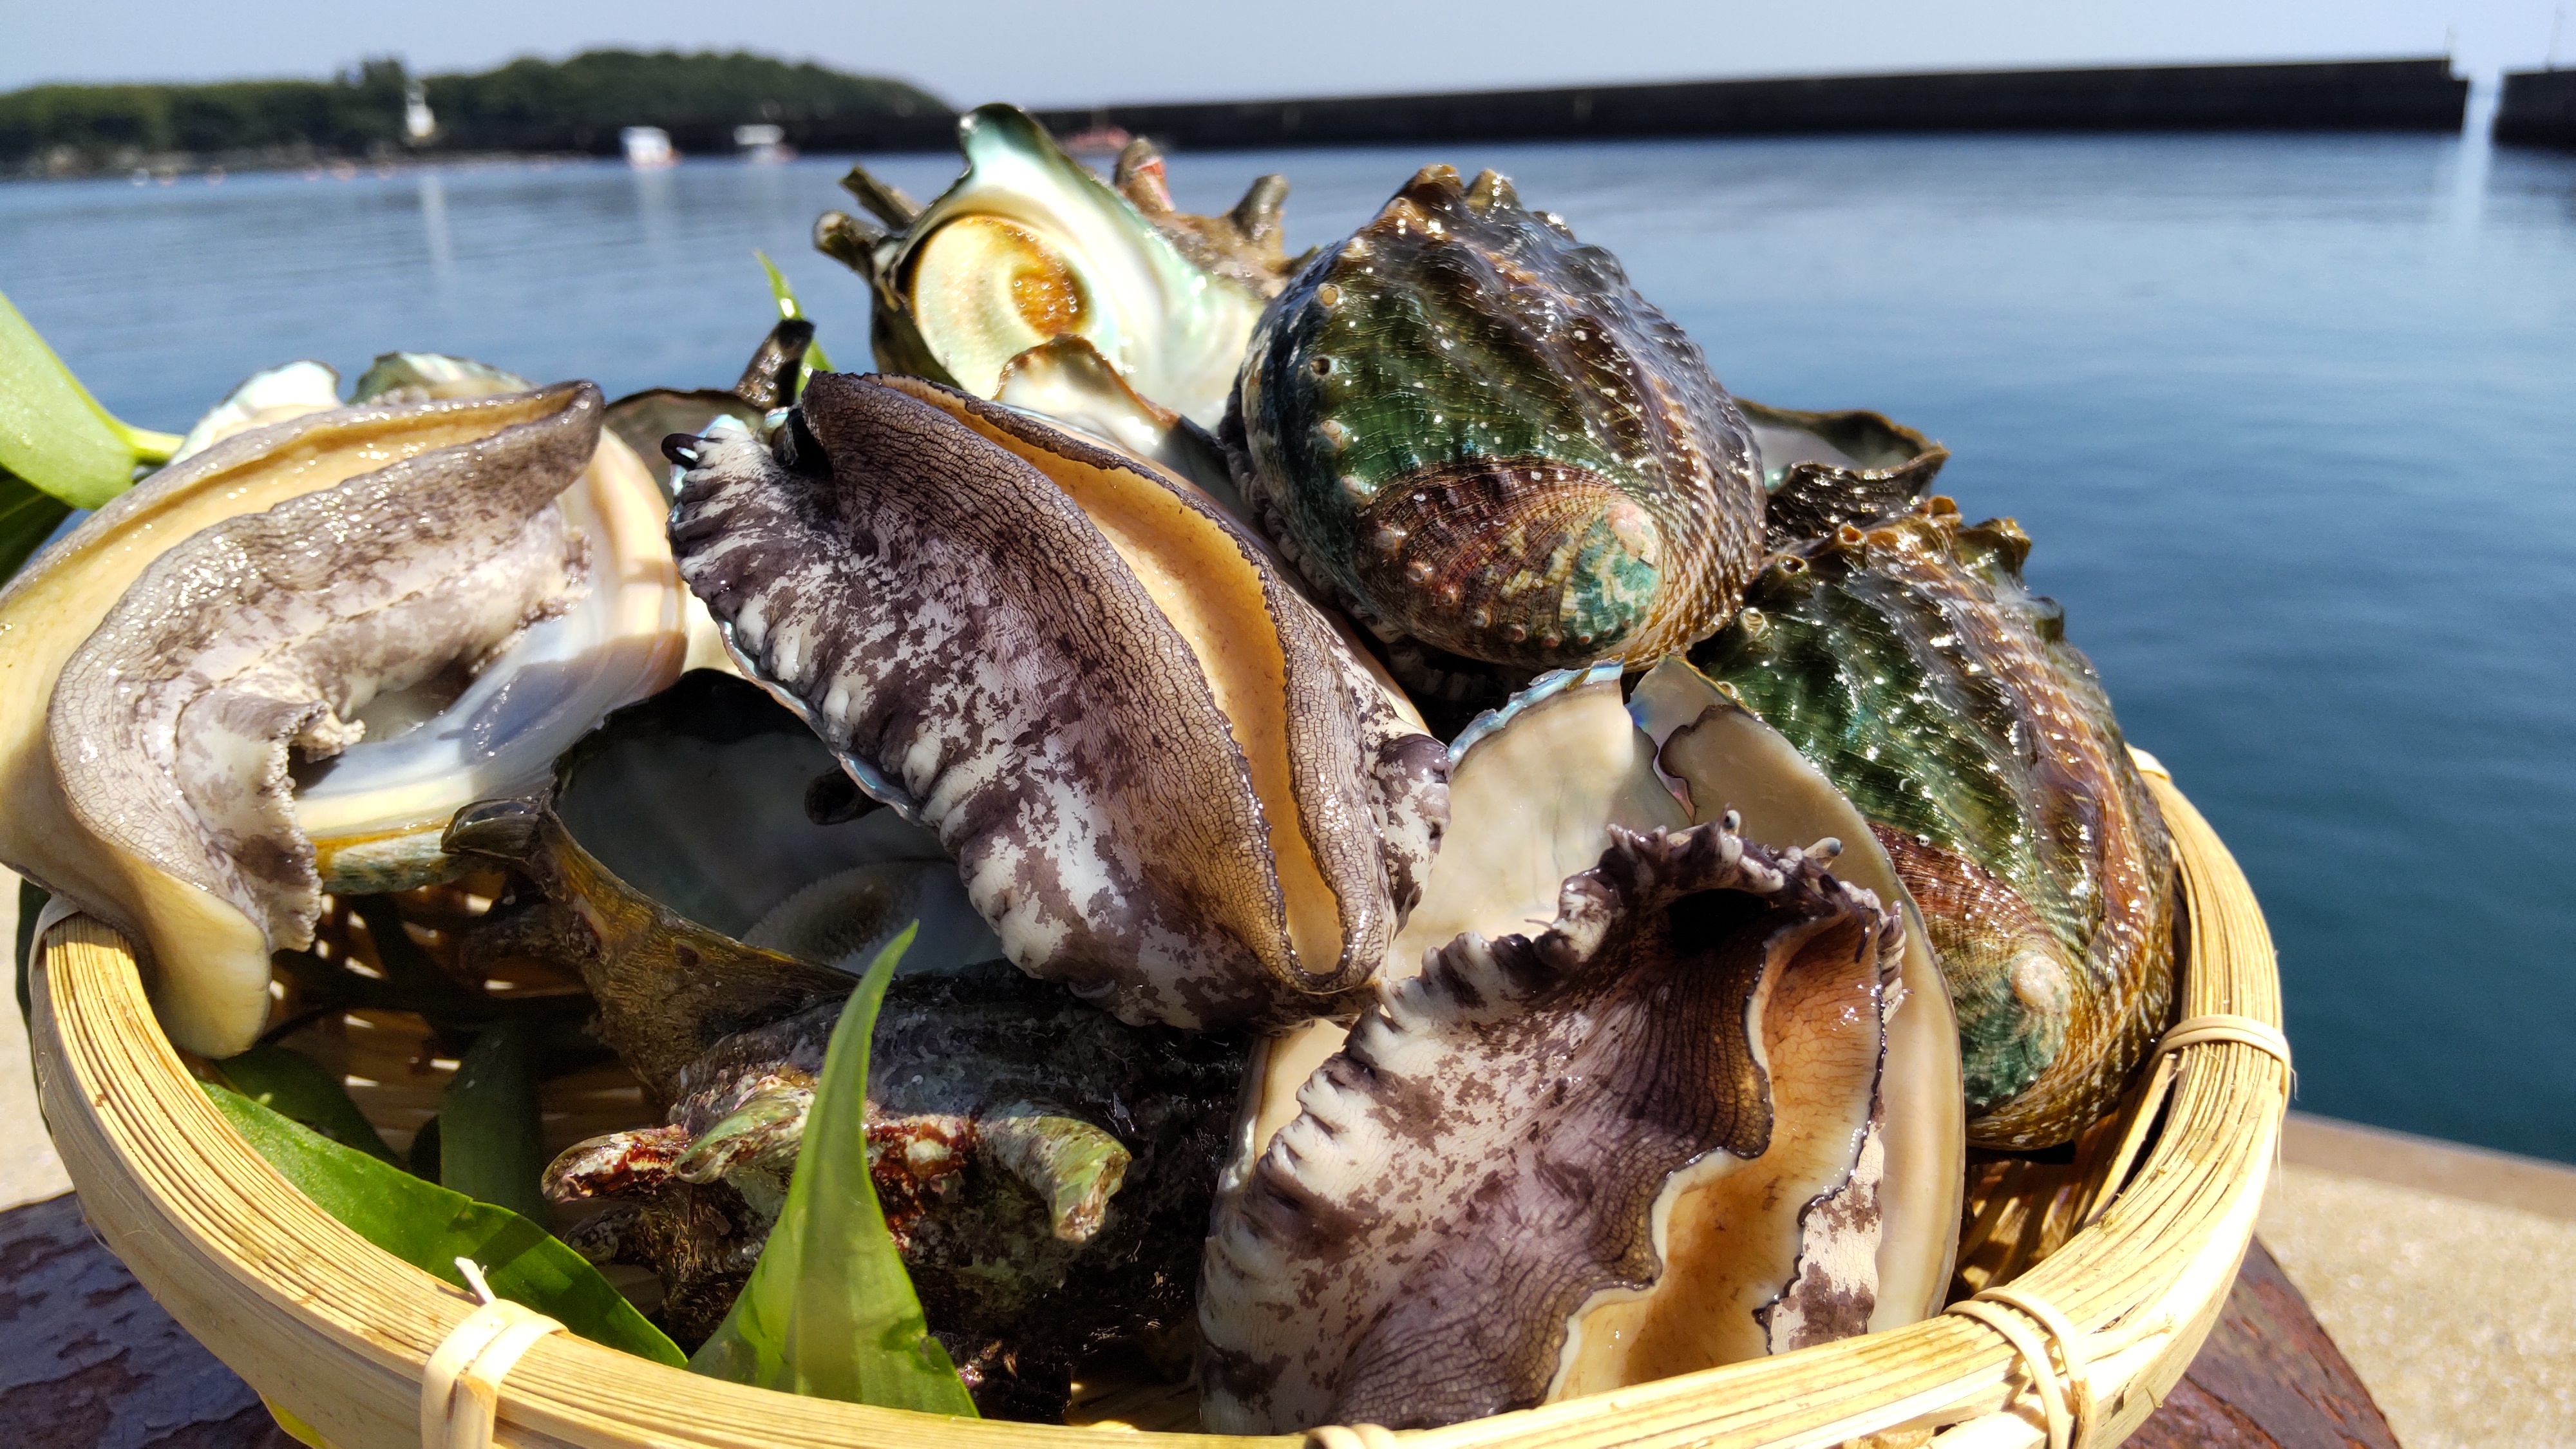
829, 1310
53, 433
287, 1081
488, 1145
429, 1227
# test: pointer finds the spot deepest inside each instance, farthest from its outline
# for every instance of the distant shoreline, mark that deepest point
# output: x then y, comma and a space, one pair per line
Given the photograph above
380, 114
2414, 94
171, 169
2417, 94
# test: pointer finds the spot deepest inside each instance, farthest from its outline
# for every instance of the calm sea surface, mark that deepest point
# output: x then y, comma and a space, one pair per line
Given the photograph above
2291, 420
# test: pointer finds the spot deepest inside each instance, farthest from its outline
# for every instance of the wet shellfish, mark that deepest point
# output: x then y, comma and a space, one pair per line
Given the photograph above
1028, 246
1469, 429
1909, 662
1166, 779
164, 660
1518, 1180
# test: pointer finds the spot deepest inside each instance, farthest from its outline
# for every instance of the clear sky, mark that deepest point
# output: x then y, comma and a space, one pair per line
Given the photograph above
1062, 52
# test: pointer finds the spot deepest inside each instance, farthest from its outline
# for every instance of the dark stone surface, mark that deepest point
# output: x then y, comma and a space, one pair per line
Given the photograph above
2414, 95
91, 1362
2268, 1378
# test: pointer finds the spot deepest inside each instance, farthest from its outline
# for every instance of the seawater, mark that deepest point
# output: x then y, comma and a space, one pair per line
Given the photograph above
2291, 420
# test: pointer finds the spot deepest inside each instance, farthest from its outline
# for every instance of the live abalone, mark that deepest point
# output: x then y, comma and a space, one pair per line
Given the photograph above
1166, 779
1470, 430
216, 713
1908, 660
1540, 791
1513, 1184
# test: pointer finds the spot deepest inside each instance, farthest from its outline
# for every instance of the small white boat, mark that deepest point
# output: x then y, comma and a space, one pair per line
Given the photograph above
647, 147
763, 144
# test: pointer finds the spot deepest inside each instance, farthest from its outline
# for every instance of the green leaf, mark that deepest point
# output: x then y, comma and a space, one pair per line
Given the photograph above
814, 361
829, 1310
53, 433
306, 1092
28, 516
429, 1227
488, 1145
31, 903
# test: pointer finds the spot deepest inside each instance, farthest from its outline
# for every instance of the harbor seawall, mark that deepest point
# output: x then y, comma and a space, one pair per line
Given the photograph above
2414, 95
2538, 108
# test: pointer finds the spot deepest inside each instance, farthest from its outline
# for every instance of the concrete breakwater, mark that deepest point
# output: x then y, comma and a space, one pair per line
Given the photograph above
2414, 95
2538, 107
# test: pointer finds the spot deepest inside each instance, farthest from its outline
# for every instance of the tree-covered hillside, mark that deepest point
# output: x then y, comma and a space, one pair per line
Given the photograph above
535, 105
526, 105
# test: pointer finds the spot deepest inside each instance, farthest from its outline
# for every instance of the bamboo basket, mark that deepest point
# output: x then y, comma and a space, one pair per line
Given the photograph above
2135, 1244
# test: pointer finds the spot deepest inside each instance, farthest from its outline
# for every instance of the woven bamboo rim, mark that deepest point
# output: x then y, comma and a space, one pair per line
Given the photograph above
339, 1335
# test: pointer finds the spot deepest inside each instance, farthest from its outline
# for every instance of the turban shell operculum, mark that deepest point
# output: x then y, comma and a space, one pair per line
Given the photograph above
1167, 781
1520, 1178
249, 708
1471, 431
1027, 246
1907, 659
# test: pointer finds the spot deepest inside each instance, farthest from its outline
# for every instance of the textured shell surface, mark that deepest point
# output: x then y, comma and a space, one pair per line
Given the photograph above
1027, 246
1469, 429
1910, 663
313, 669
1046, 1169
1826, 469
1167, 780
1500, 1191
1244, 244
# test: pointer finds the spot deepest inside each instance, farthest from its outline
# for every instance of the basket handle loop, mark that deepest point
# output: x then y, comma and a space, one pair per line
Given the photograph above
2067, 1422
474, 1358
2190, 1031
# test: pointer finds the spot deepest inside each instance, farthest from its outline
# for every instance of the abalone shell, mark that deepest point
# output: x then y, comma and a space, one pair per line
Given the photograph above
1911, 664
1471, 431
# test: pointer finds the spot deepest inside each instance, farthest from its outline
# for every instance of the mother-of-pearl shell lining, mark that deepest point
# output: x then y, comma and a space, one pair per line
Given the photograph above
1723, 759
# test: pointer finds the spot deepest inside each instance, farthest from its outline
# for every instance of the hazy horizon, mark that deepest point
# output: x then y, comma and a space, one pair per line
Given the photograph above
1040, 52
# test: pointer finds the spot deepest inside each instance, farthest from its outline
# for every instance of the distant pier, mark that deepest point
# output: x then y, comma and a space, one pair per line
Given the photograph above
2396, 95
2538, 108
